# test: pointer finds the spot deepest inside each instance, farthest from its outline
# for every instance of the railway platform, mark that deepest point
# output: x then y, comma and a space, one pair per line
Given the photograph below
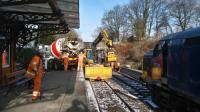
61, 92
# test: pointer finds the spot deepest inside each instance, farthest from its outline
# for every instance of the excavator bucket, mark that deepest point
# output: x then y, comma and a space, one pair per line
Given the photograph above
98, 72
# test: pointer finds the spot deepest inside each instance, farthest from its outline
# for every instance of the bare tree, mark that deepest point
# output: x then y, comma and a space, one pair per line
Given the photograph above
72, 35
182, 12
196, 19
157, 16
130, 18
114, 20
142, 18
96, 32
125, 30
139, 13
164, 26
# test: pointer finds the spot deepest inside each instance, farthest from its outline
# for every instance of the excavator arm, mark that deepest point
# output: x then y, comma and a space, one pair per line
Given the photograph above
111, 53
106, 38
103, 35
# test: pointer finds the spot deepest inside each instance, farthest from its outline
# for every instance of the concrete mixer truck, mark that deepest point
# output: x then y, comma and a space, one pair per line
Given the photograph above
64, 45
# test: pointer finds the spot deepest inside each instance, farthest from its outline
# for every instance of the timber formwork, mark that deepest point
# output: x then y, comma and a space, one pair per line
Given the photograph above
23, 21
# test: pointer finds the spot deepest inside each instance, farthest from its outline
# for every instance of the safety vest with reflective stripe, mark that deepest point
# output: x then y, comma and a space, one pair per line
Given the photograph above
64, 56
36, 93
34, 65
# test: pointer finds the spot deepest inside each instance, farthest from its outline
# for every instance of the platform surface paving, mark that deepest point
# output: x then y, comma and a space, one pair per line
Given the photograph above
61, 92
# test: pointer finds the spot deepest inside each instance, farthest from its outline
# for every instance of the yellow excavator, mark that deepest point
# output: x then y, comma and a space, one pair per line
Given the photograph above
111, 52
102, 71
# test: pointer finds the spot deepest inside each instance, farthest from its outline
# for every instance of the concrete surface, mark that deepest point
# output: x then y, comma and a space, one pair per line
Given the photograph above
61, 92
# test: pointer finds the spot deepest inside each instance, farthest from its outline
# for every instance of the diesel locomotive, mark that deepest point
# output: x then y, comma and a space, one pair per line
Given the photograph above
172, 70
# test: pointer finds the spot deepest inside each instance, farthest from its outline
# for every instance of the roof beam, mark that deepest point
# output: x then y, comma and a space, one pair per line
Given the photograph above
29, 17
55, 8
31, 33
20, 2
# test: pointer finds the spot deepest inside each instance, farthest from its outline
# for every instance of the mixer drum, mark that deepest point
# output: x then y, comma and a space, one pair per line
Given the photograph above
56, 47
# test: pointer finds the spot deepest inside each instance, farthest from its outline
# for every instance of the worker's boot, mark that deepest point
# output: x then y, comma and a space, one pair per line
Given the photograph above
35, 96
66, 68
82, 69
78, 70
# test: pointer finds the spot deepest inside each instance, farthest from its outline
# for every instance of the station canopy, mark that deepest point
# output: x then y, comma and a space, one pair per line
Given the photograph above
42, 11
23, 21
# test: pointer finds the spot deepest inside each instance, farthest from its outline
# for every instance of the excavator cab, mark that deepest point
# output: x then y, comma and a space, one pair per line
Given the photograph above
89, 56
111, 56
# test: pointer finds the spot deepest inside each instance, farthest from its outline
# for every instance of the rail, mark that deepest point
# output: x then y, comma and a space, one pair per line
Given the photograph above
131, 72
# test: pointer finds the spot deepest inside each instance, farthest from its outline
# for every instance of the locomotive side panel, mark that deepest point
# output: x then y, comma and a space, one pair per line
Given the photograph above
181, 88
187, 79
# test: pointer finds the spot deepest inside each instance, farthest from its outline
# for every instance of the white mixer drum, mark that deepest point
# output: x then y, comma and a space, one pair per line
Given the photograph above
56, 47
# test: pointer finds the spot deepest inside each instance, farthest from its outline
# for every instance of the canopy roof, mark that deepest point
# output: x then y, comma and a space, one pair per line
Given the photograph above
25, 20
42, 11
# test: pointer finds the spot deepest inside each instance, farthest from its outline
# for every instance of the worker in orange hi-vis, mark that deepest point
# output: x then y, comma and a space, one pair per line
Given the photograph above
35, 70
65, 60
4, 58
81, 57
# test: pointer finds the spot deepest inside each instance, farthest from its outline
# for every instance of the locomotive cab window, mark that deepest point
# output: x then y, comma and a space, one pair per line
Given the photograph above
192, 51
157, 49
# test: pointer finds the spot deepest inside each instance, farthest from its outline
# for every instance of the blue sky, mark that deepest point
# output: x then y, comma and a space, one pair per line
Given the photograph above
91, 12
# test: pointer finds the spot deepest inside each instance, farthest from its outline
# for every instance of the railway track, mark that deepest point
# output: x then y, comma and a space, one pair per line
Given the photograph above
132, 73
115, 96
141, 89
122, 93
106, 98
125, 93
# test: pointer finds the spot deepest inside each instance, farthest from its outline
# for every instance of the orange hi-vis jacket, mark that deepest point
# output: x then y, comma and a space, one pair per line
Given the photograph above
81, 58
35, 70
64, 56
35, 66
80, 61
4, 56
65, 61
